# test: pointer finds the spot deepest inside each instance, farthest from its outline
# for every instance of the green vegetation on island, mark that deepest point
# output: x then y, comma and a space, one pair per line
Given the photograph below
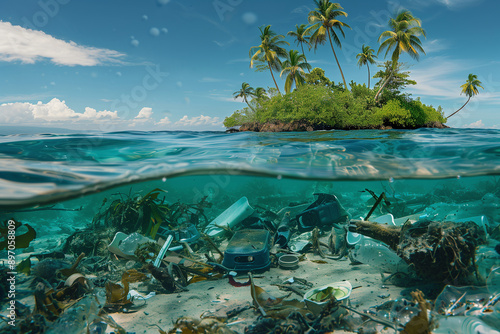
313, 102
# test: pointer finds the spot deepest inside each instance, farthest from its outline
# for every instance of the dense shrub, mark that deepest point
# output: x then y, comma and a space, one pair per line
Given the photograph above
395, 115
325, 107
403, 112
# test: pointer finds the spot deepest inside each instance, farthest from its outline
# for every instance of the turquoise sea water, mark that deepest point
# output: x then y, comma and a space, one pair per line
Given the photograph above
58, 183
44, 168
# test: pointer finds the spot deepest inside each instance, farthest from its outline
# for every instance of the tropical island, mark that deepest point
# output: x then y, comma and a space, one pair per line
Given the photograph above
311, 101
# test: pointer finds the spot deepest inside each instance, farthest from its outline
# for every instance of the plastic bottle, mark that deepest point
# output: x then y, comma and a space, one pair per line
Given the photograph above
379, 255
463, 325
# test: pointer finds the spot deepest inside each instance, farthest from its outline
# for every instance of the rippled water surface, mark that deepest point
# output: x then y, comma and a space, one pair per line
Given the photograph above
49, 167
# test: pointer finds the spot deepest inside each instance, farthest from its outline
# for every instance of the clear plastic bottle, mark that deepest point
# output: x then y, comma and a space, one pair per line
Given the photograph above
377, 254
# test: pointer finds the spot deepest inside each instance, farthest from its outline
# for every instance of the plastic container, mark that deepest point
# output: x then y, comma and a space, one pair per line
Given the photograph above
341, 291
463, 325
288, 262
125, 245
321, 215
233, 215
379, 255
248, 250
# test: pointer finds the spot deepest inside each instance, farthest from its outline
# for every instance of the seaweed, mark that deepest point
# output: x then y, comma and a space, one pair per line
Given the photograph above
24, 266
134, 213
145, 214
147, 251
419, 324
22, 240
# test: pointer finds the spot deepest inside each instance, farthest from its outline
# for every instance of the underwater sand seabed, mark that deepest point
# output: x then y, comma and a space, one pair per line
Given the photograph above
392, 230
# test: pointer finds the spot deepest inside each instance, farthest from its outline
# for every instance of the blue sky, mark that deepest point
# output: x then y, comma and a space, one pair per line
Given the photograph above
174, 64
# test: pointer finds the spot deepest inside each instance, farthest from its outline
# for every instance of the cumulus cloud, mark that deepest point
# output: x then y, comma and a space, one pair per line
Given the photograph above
164, 121
198, 120
57, 113
30, 46
145, 113
477, 124
54, 111
480, 125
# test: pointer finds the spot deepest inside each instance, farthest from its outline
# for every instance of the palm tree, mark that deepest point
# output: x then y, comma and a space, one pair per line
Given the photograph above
269, 51
245, 91
366, 57
260, 94
469, 88
403, 37
293, 68
323, 20
301, 36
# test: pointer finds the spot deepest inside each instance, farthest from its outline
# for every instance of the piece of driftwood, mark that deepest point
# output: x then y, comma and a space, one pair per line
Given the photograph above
438, 251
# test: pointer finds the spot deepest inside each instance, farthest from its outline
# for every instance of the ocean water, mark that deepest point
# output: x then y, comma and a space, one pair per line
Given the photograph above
59, 183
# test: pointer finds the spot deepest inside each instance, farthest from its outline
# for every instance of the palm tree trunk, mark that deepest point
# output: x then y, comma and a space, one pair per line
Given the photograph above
383, 85
368, 66
248, 104
302, 47
460, 108
270, 69
338, 64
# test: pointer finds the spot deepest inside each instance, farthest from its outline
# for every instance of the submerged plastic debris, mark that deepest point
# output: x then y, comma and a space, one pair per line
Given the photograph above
168, 261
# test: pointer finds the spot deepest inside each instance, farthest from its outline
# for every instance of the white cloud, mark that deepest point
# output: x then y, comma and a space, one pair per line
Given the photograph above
55, 111
198, 120
478, 124
435, 45
249, 18
29, 46
226, 99
91, 113
164, 121
452, 4
145, 113
441, 77
154, 32
301, 10
134, 42
434, 78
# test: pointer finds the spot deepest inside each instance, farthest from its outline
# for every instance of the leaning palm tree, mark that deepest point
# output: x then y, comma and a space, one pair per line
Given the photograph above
323, 20
245, 91
293, 69
403, 37
269, 51
366, 57
301, 35
469, 88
